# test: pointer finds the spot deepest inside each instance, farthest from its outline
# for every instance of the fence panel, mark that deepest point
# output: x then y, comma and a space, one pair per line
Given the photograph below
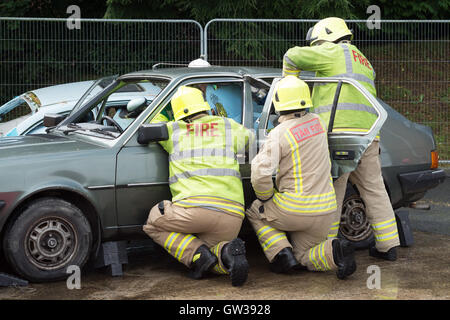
411, 59
36, 53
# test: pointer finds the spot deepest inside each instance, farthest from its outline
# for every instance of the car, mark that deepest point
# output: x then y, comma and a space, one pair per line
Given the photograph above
25, 114
91, 179
22, 114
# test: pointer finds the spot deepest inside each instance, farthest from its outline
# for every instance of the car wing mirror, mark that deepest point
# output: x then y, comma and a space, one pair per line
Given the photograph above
53, 119
152, 132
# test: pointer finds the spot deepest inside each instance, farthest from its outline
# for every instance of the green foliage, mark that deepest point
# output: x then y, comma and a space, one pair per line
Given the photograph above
141, 9
414, 9
50, 8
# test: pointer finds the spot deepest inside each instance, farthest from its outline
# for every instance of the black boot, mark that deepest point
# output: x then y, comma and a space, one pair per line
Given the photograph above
343, 255
390, 255
202, 263
284, 261
233, 257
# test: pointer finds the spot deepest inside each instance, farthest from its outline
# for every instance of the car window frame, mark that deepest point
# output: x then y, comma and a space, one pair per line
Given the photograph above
197, 81
124, 137
382, 114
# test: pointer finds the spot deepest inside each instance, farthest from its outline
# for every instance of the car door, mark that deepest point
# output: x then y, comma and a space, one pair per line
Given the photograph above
346, 148
142, 171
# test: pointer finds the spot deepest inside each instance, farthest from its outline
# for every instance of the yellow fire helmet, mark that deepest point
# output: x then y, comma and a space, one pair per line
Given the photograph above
291, 93
187, 101
328, 29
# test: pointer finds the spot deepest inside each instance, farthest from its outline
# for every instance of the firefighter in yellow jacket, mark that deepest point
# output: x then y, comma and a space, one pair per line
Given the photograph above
302, 203
331, 54
199, 227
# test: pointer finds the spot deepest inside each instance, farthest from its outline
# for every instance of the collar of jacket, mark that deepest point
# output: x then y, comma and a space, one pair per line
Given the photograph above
197, 116
292, 116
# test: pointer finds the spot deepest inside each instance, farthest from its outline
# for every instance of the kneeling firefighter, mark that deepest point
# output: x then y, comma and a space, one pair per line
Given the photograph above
199, 227
292, 220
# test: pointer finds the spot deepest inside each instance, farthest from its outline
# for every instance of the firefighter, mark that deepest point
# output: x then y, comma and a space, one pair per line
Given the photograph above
331, 54
199, 227
292, 220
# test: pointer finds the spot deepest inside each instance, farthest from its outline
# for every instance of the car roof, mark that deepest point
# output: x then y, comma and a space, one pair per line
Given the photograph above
204, 71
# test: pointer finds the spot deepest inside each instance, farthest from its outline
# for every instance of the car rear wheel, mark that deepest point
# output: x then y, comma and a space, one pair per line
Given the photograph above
354, 225
46, 238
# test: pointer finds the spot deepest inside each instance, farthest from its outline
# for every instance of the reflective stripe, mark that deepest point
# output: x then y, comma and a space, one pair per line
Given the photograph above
265, 231
358, 77
273, 239
307, 199
264, 193
210, 204
204, 172
265, 228
346, 106
296, 162
316, 264
348, 59
228, 135
291, 72
383, 224
218, 268
176, 137
289, 62
207, 152
184, 243
170, 240
322, 257
387, 236
334, 226
322, 207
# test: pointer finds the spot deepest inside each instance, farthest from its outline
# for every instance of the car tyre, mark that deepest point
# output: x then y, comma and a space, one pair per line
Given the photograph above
354, 225
47, 237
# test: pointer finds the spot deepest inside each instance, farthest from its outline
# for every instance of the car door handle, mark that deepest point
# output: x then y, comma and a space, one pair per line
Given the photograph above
343, 155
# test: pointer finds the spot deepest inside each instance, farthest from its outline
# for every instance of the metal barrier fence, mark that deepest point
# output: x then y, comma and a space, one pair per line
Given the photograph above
411, 59
36, 53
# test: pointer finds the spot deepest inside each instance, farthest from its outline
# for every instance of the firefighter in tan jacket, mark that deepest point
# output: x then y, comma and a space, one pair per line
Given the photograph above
292, 219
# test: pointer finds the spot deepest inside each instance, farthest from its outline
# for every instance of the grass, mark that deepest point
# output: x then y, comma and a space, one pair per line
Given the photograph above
414, 78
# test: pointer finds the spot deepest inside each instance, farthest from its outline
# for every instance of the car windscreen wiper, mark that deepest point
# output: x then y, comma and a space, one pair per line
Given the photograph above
103, 131
72, 127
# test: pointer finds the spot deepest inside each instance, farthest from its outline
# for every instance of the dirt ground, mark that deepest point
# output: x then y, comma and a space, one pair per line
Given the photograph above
421, 272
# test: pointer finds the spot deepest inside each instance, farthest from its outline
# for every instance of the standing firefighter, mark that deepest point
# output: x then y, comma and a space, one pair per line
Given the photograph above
201, 224
331, 54
301, 206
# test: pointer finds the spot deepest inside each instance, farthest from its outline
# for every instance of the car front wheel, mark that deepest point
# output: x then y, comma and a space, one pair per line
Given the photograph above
46, 238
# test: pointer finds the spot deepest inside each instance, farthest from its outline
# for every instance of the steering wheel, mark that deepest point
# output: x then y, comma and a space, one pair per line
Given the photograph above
113, 122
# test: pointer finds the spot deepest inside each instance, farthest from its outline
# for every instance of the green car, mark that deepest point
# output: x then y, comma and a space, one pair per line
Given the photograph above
94, 179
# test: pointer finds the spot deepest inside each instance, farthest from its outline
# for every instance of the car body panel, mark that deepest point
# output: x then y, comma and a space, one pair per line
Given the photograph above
77, 166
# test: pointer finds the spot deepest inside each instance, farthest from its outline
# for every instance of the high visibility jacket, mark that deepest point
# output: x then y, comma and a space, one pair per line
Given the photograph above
297, 149
203, 167
329, 60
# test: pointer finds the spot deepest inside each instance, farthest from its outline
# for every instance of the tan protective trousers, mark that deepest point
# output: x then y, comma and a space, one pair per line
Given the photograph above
308, 235
369, 181
181, 231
